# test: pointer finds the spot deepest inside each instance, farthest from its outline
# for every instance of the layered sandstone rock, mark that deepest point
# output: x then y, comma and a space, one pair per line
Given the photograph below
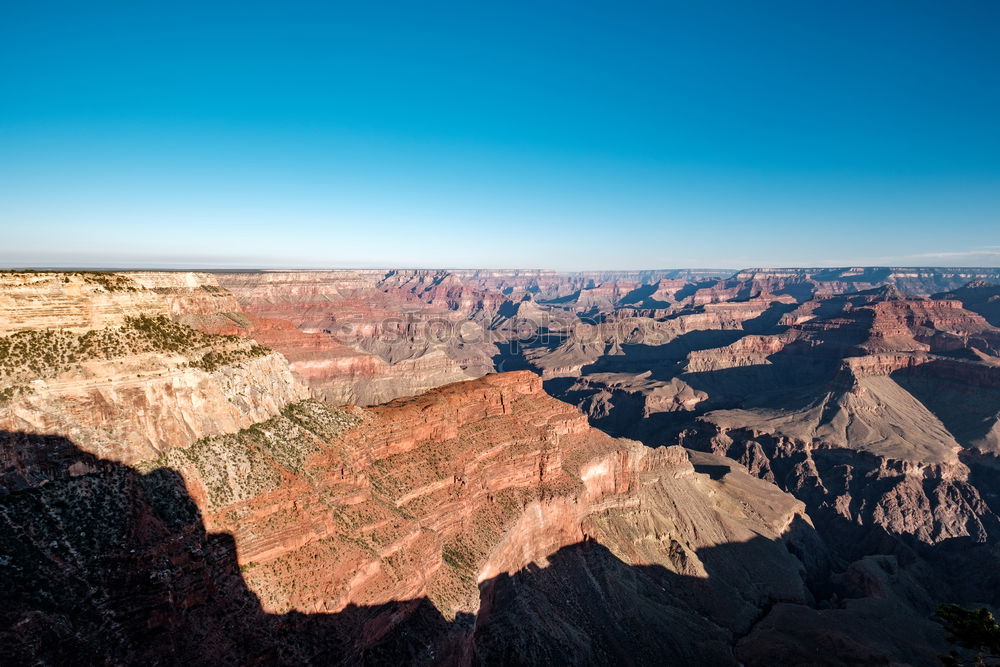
920, 281
457, 496
129, 409
979, 296
352, 342
96, 358
75, 301
462, 484
877, 409
838, 479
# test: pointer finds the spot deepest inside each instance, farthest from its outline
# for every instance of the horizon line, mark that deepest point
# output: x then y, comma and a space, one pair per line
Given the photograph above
57, 268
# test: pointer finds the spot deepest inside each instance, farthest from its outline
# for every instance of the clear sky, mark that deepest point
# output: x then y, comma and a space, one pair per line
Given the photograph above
570, 135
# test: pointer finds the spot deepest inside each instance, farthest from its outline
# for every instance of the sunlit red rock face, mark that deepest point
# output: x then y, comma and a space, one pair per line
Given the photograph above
473, 504
878, 409
173, 492
979, 296
434, 494
352, 341
370, 336
835, 359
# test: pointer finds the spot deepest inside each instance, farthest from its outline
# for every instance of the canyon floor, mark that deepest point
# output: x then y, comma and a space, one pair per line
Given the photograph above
762, 467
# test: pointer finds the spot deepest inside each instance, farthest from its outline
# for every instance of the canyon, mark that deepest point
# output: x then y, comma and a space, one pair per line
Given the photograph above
756, 467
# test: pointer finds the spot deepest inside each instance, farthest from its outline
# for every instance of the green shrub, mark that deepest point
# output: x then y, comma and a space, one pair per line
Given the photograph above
974, 629
39, 353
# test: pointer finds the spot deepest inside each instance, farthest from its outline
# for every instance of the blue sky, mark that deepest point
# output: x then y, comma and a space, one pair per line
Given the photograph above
575, 135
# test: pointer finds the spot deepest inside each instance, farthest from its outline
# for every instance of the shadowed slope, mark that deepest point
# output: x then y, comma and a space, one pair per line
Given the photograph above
102, 564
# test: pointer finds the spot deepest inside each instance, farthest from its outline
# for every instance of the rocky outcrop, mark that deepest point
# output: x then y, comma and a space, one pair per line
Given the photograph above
747, 351
455, 497
75, 301
352, 342
168, 486
196, 299
978, 296
342, 374
130, 409
96, 358
858, 488
603, 395
918, 281
463, 483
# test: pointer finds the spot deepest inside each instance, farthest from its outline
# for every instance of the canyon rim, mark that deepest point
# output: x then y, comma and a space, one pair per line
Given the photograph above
463, 334
482, 467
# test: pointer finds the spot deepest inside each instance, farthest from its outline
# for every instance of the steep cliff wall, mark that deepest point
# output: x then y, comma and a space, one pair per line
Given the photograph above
486, 521
433, 494
101, 362
354, 338
74, 301
455, 497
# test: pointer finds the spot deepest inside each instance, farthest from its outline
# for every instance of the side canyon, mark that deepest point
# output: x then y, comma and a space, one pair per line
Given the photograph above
757, 467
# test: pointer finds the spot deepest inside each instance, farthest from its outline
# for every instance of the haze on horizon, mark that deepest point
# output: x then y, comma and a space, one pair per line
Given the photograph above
569, 136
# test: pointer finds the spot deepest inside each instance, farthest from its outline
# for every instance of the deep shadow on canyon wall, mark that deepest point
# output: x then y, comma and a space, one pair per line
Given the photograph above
101, 564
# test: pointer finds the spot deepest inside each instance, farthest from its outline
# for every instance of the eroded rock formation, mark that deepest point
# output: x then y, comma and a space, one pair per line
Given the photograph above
281, 467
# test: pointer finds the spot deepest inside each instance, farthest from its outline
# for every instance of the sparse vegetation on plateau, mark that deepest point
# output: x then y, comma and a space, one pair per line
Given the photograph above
32, 354
215, 359
458, 555
241, 465
110, 282
106, 280
8, 393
